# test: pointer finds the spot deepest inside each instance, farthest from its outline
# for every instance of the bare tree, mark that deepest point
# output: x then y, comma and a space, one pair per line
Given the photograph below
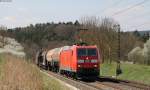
2, 35
101, 33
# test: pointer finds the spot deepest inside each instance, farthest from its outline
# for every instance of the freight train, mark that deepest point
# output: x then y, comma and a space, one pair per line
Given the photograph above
74, 61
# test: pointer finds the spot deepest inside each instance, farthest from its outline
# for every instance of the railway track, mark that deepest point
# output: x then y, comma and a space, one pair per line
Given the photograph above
132, 84
103, 83
76, 83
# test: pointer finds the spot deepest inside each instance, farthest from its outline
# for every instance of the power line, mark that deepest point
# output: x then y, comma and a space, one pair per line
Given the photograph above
141, 24
125, 9
114, 4
129, 8
140, 16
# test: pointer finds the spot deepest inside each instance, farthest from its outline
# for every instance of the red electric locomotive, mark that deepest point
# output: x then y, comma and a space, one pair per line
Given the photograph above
80, 61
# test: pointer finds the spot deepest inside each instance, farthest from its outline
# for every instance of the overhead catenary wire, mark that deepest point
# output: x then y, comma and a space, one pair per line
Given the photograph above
138, 26
107, 8
140, 16
129, 8
125, 9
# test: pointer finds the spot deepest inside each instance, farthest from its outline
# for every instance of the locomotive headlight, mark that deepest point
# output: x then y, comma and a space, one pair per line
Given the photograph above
80, 61
94, 61
95, 65
79, 65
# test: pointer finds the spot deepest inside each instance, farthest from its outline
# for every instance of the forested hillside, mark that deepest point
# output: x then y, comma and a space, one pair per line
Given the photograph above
92, 30
44, 35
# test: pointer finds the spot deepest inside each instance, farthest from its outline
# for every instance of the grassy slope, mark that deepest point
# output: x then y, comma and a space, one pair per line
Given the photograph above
52, 84
18, 74
133, 72
1, 65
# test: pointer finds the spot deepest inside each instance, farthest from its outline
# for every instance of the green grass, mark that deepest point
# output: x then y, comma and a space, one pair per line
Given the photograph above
134, 72
52, 84
1, 65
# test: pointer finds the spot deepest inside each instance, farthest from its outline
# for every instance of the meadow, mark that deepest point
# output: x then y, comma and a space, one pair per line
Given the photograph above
133, 72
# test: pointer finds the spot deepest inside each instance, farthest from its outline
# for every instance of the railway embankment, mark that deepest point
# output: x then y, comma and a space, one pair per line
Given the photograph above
18, 74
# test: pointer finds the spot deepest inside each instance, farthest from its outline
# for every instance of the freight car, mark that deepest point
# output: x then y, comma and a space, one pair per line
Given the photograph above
74, 61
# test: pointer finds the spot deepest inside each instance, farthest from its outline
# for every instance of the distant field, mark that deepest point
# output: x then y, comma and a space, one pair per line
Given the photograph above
18, 74
133, 72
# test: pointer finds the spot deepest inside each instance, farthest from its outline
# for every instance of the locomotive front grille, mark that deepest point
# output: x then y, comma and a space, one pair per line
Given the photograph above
88, 72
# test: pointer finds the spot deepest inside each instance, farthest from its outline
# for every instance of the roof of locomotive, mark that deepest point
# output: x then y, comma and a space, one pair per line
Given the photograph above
77, 46
64, 48
89, 46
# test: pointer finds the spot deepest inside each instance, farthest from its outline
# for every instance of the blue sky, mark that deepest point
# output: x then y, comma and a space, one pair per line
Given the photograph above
25, 12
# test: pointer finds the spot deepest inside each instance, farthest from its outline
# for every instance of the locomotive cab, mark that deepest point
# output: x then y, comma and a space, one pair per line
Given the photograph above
87, 62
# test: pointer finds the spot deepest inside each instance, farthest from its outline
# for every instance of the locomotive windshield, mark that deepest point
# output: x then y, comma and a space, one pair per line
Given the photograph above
91, 52
86, 52
81, 52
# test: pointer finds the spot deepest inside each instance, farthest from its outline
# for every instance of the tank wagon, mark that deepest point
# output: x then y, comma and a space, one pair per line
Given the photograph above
74, 61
